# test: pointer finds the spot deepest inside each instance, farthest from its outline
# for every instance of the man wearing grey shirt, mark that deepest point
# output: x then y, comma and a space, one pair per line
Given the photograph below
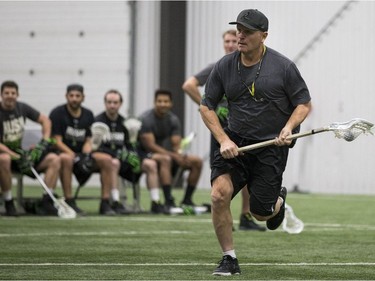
267, 99
161, 133
190, 87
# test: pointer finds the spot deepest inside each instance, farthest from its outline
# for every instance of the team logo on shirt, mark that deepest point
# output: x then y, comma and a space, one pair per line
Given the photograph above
117, 137
75, 134
13, 132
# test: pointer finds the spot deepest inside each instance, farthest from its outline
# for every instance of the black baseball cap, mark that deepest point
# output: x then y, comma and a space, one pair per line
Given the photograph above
252, 19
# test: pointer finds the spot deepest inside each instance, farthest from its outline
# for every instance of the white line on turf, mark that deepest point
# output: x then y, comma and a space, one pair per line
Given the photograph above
99, 233
193, 264
308, 228
185, 219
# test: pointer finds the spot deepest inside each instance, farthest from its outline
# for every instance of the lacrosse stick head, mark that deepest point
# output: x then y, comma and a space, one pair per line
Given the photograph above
133, 125
100, 133
292, 224
64, 211
350, 130
186, 141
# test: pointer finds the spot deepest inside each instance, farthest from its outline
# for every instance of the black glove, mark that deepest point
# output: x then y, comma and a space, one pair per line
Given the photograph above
42, 147
25, 163
83, 167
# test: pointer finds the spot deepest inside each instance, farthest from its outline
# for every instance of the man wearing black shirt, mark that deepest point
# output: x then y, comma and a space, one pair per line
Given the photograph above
132, 160
13, 116
71, 124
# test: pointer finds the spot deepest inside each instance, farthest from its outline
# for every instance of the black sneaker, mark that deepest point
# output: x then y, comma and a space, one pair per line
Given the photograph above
72, 203
247, 223
169, 204
157, 207
227, 266
47, 206
10, 209
106, 209
120, 208
274, 222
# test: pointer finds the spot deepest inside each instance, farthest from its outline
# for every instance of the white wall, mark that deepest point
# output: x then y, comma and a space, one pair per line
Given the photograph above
74, 41
338, 70
147, 54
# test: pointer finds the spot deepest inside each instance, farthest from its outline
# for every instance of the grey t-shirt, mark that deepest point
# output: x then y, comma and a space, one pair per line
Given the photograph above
279, 83
163, 128
202, 78
202, 75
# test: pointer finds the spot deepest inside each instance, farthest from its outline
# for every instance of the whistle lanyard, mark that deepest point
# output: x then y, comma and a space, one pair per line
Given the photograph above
252, 89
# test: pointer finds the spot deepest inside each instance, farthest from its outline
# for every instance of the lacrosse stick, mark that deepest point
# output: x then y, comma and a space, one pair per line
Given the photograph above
64, 211
133, 126
291, 223
184, 146
100, 132
348, 131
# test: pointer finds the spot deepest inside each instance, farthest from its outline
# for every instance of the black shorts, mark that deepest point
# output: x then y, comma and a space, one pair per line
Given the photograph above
127, 173
261, 169
214, 143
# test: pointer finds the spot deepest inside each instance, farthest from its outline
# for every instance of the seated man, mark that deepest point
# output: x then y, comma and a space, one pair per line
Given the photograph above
13, 115
126, 155
161, 133
71, 124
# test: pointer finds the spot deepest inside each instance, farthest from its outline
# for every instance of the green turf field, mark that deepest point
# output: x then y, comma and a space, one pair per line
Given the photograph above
338, 243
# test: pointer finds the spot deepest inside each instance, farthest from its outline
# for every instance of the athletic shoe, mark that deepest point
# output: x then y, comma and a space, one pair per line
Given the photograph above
274, 222
157, 207
47, 205
10, 209
247, 223
227, 266
105, 208
72, 203
169, 204
120, 208
187, 202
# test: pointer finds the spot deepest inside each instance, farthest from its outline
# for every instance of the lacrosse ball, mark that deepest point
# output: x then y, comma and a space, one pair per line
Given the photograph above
349, 136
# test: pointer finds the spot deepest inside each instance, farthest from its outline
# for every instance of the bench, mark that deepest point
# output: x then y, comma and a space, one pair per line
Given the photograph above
31, 137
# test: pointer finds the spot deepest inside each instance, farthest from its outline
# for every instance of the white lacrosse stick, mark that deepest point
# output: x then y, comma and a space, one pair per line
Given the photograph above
186, 142
100, 133
348, 131
291, 223
133, 126
64, 211
184, 146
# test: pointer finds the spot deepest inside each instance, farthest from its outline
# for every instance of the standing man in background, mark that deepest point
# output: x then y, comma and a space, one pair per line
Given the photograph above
191, 87
267, 99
